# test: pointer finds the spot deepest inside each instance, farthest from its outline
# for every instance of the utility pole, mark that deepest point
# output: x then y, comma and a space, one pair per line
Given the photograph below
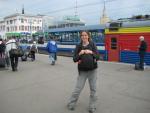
76, 8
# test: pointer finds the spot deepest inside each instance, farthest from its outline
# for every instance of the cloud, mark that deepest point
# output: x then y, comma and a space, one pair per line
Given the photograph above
88, 10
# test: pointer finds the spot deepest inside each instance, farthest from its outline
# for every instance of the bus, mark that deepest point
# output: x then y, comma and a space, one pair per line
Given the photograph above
68, 38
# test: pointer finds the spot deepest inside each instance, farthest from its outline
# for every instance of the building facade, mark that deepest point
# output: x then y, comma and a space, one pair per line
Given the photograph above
2, 29
20, 25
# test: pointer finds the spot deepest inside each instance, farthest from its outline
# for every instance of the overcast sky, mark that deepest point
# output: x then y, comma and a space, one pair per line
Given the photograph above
88, 10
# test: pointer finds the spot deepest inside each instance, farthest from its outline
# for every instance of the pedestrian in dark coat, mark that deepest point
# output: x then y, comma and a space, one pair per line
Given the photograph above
142, 51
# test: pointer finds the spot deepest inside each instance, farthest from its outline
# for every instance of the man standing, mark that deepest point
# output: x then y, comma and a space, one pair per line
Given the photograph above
142, 51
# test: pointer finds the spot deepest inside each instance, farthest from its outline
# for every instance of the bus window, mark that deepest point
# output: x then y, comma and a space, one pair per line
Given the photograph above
68, 37
75, 36
97, 36
100, 36
41, 40
93, 35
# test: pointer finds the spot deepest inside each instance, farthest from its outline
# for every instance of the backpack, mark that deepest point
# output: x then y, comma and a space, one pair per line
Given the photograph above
52, 47
33, 48
87, 61
137, 66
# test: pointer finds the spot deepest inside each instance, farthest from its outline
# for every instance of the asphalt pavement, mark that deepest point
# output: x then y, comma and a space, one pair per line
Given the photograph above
38, 87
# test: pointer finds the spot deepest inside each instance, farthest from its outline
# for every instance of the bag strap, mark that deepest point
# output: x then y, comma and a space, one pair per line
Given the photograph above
15, 44
11, 45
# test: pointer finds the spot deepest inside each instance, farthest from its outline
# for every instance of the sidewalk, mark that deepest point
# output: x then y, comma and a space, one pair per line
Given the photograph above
38, 87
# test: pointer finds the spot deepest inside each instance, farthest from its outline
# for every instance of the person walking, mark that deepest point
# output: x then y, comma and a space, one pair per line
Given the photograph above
2, 47
86, 55
33, 50
10, 45
52, 50
2, 53
142, 51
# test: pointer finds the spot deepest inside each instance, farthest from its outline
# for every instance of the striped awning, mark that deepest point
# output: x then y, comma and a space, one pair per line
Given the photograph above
12, 34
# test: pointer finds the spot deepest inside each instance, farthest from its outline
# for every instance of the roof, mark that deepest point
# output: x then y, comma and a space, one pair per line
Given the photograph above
136, 23
19, 14
78, 28
133, 23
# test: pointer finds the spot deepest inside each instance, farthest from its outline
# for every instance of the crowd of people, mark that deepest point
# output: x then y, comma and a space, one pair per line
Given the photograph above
8, 55
7, 58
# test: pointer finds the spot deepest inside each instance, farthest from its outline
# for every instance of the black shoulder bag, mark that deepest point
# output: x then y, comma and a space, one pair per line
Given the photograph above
87, 61
16, 52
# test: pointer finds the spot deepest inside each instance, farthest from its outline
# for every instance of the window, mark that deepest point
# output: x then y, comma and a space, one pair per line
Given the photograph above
8, 29
22, 21
25, 28
38, 28
11, 21
15, 28
22, 28
113, 43
19, 28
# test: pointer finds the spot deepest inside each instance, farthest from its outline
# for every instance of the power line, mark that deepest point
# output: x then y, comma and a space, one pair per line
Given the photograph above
117, 9
80, 6
93, 4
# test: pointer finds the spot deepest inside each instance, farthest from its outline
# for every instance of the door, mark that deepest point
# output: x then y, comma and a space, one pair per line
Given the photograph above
113, 49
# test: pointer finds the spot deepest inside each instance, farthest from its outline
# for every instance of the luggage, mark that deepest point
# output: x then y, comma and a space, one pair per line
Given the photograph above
2, 62
29, 55
137, 66
16, 52
33, 48
25, 55
24, 58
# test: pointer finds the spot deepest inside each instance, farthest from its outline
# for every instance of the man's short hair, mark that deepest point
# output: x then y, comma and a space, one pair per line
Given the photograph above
141, 38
